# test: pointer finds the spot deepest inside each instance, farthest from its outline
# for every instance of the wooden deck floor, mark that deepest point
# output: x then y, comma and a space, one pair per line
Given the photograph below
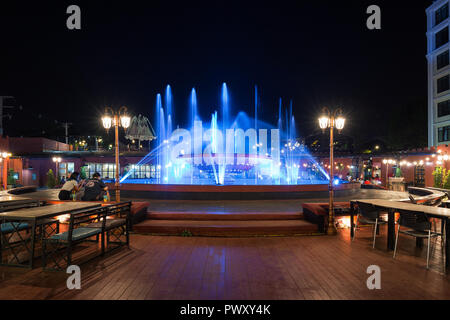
306, 267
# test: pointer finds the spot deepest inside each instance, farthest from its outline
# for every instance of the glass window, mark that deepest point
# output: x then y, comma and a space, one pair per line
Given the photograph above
142, 171
106, 170
443, 108
443, 84
62, 170
443, 134
70, 167
442, 60
441, 37
441, 14
66, 168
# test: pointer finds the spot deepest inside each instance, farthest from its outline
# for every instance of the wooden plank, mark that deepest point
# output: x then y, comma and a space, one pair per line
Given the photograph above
320, 267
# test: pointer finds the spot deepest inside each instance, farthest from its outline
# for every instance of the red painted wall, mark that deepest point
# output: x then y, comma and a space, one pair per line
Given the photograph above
35, 145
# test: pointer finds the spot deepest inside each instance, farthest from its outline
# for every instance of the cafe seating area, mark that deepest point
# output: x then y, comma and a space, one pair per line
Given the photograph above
41, 237
417, 217
49, 232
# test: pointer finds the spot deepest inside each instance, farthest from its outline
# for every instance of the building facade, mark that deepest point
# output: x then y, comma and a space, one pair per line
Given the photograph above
438, 73
30, 159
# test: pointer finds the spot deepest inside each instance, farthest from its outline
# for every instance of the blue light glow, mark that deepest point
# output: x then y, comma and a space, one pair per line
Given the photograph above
227, 151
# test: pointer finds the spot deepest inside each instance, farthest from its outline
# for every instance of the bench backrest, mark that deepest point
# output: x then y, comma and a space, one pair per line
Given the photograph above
81, 218
120, 210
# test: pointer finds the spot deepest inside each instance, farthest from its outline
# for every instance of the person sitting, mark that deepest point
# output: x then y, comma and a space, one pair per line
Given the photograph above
69, 186
94, 189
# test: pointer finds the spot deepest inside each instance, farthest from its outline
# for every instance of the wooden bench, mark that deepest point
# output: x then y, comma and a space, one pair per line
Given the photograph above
116, 225
77, 232
109, 221
138, 211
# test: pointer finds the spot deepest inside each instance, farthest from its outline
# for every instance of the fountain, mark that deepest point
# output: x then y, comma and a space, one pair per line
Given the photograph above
227, 150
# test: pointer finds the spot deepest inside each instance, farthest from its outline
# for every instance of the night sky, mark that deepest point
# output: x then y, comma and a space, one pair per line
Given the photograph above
317, 53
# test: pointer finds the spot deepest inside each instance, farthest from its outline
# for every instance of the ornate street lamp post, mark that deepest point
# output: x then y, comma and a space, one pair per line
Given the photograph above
387, 162
331, 119
57, 161
5, 159
116, 119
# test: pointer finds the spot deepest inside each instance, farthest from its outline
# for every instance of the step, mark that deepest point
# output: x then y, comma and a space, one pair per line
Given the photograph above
227, 227
223, 215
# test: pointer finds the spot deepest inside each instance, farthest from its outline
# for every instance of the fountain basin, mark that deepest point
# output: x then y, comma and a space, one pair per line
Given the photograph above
232, 192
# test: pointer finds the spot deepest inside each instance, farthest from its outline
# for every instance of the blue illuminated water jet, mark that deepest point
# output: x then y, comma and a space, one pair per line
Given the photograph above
229, 150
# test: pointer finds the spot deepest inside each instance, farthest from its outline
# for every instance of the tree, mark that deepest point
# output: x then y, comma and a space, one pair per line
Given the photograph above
446, 179
51, 179
437, 174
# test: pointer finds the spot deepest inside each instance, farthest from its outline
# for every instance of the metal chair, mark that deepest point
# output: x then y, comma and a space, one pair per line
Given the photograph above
431, 203
418, 226
368, 214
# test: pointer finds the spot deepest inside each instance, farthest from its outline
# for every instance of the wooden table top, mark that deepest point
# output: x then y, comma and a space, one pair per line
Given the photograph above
434, 211
48, 211
7, 199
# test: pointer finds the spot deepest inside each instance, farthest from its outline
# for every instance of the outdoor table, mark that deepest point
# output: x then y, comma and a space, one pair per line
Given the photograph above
32, 216
391, 206
446, 203
9, 202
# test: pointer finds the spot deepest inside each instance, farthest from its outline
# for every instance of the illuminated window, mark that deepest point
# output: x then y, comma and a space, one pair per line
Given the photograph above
66, 169
444, 134
143, 171
106, 170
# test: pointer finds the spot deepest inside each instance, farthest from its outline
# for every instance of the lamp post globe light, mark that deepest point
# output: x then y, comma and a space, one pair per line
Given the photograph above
57, 160
331, 119
116, 118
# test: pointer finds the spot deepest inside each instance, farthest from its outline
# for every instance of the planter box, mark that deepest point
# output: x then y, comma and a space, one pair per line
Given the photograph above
397, 184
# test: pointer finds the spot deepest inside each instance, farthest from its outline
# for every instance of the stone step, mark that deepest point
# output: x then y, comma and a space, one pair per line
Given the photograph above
231, 228
223, 215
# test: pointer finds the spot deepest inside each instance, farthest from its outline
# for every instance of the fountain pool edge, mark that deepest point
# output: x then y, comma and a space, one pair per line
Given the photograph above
232, 192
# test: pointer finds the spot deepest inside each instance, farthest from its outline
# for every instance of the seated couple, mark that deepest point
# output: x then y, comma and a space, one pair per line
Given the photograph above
87, 190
